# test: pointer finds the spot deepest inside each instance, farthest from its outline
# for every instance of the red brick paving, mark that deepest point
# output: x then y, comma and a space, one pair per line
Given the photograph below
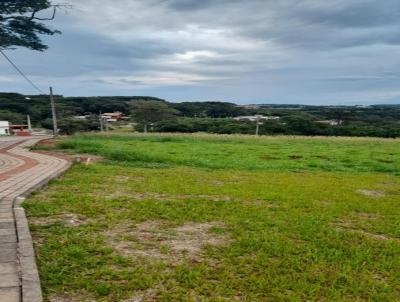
28, 164
22, 171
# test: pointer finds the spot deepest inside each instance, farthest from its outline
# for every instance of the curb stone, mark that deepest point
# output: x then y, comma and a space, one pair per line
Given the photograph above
19, 278
30, 281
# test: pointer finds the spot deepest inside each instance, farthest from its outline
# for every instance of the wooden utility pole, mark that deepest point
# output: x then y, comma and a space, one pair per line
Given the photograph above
106, 122
28, 119
101, 122
53, 112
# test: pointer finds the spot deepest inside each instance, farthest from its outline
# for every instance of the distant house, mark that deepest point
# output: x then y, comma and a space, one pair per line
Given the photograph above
4, 128
20, 130
114, 116
254, 118
331, 122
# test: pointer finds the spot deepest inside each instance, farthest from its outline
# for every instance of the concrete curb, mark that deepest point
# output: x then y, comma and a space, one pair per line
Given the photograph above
31, 290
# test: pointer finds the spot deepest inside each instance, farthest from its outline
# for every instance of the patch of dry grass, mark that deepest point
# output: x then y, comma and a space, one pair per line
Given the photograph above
371, 193
359, 223
70, 220
156, 240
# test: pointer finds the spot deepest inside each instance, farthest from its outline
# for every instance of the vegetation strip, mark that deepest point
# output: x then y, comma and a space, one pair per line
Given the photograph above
77, 114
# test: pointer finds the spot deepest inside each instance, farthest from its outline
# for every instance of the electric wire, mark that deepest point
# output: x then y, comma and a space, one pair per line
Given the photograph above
21, 72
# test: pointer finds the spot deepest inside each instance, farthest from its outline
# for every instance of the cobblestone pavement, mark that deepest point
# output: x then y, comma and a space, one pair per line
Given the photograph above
21, 171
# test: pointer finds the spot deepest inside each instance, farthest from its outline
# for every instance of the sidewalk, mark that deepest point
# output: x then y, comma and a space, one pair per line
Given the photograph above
21, 172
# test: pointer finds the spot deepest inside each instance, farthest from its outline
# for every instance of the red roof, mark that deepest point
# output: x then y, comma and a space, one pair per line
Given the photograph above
18, 126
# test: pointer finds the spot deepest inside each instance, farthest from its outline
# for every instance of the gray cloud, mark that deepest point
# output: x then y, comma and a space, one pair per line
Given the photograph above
293, 51
189, 5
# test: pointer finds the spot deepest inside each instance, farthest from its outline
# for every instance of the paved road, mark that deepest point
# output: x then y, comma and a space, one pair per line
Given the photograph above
20, 172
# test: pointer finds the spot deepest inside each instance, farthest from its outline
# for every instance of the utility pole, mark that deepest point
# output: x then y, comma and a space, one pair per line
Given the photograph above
257, 125
101, 122
28, 119
106, 122
53, 112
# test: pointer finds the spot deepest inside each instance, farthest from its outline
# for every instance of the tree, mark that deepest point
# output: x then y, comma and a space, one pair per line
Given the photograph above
13, 117
70, 125
21, 26
147, 112
209, 109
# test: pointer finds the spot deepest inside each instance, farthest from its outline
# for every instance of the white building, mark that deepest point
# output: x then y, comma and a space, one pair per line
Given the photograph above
81, 117
254, 118
331, 122
4, 128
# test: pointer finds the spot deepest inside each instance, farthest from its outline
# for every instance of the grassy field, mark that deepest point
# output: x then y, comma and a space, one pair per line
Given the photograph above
220, 218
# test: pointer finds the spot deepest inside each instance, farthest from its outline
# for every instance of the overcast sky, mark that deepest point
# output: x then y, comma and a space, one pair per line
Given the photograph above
244, 51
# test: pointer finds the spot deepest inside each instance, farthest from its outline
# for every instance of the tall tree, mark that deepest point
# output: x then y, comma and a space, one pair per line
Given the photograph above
148, 112
21, 26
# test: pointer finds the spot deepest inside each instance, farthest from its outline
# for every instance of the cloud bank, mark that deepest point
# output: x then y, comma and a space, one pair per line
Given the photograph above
255, 51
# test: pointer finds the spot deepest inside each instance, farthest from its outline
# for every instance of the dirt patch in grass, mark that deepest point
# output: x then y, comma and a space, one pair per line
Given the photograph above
48, 143
120, 193
295, 157
371, 193
352, 224
368, 234
323, 203
367, 216
122, 178
218, 183
87, 158
262, 203
70, 298
192, 237
70, 220
354, 217
74, 158
153, 239
144, 295
380, 278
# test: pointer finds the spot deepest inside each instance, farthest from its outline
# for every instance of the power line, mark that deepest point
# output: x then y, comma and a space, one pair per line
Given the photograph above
21, 73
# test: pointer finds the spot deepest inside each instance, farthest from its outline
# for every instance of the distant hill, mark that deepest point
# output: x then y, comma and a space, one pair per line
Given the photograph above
216, 117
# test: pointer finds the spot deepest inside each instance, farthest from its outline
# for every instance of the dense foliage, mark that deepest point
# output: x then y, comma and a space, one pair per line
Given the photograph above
14, 108
148, 112
212, 117
20, 25
379, 121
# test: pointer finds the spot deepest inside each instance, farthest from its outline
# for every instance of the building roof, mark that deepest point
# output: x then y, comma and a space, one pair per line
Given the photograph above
112, 114
18, 126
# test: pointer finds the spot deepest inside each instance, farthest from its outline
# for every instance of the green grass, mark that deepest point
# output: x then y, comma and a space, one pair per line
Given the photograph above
297, 229
246, 153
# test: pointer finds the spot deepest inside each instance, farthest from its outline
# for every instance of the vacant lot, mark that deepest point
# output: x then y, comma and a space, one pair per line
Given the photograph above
219, 218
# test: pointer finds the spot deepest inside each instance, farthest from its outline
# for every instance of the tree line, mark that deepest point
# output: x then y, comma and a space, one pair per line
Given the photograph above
154, 114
